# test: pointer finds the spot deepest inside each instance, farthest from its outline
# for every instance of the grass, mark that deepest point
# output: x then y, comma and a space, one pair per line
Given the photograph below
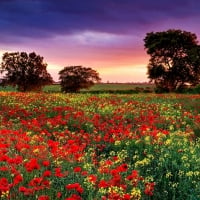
8, 89
99, 87
106, 87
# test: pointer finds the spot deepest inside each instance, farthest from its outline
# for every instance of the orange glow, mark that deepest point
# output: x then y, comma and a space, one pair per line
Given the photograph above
115, 57
113, 68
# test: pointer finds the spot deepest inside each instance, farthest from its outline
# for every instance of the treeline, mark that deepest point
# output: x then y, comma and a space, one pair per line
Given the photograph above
28, 72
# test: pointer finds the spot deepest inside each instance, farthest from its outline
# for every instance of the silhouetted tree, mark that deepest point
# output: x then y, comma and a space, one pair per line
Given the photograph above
74, 78
175, 59
26, 71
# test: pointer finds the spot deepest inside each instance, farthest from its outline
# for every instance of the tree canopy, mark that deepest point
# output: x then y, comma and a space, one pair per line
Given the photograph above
74, 78
26, 71
174, 59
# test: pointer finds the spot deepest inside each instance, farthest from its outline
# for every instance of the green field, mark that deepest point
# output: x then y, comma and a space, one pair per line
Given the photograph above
99, 87
117, 88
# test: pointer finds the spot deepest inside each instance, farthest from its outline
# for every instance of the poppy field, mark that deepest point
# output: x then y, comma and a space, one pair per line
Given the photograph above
99, 147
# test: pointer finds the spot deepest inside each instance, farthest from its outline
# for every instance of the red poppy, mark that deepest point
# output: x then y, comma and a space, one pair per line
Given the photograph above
103, 184
75, 186
4, 184
17, 179
74, 197
32, 164
92, 178
149, 188
47, 173
59, 195
43, 197
46, 163
77, 169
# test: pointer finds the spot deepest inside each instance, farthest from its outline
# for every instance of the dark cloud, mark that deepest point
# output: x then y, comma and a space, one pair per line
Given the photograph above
46, 18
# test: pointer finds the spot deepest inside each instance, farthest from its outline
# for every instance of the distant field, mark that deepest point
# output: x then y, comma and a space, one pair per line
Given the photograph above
7, 88
106, 87
97, 87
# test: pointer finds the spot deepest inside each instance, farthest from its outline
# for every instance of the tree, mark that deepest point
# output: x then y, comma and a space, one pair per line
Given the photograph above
74, 78
26, 71
175, 59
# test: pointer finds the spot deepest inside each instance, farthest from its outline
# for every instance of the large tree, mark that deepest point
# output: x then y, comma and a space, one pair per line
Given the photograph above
26, 71
74, 78
174, 59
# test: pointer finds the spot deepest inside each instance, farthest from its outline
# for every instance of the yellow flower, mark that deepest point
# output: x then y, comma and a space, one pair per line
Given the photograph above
112, 153
150, 156
149, 179
135, 157
116, 189
189, 174
5, 194
169, 174
168, 142
181, 173
196, 173
58, 162
89, 185
117, 142
28, 133
136, 193
122, 155
36, 151
171, 127
175, 185
88, 166
103, 190
142, 163
147, 139
184, 158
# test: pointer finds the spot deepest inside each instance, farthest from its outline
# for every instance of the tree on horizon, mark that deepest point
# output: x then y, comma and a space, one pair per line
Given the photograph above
174, 59
26, 71
74, 78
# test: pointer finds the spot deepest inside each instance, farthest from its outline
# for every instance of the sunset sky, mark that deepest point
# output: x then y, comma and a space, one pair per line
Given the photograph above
106, 35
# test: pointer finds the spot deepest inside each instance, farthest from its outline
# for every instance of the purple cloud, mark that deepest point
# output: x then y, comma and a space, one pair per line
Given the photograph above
47, 18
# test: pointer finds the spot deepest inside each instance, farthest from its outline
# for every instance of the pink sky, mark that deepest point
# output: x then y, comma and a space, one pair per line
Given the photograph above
105, 35
116, 58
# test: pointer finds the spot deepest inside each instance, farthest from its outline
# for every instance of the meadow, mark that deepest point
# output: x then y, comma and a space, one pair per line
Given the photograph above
99, 147
99, 88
